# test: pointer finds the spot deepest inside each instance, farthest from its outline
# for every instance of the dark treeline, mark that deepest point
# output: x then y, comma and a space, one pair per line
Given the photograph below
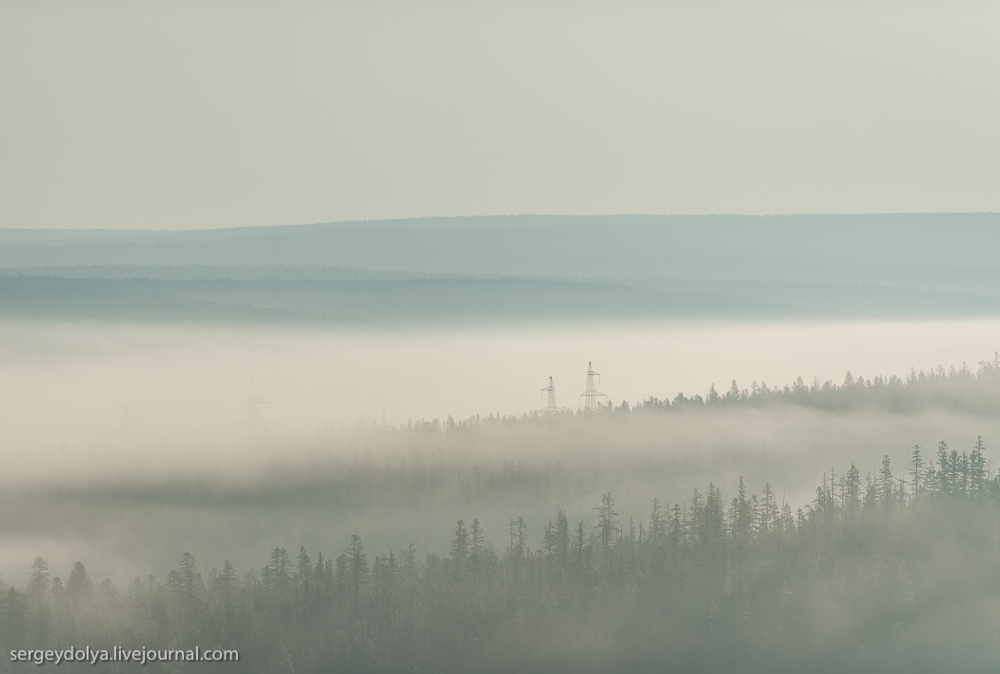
959, 389
891, 571
530, 455
955, 388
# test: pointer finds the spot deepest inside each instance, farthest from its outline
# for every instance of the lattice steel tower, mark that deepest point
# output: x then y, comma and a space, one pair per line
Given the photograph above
550, 407
590, 396
254, 419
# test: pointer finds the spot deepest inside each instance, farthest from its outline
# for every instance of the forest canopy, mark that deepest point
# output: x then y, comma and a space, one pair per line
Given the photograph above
861, 578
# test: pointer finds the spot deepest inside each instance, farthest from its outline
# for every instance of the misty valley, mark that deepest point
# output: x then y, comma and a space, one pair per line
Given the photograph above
332, 447
654, 537
500, 337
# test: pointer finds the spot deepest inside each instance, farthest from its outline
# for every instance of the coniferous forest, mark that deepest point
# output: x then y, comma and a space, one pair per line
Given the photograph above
894, 569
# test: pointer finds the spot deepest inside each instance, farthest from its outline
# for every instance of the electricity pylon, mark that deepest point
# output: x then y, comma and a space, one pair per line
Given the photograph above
254, 419
590, 396
550, 407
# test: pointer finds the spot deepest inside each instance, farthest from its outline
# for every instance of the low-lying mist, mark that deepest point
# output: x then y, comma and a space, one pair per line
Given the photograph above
396, 485
127, 446
660, 538
91, 387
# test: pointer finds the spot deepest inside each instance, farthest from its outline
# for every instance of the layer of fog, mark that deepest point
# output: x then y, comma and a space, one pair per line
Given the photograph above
186, 476
67, 386
399, 488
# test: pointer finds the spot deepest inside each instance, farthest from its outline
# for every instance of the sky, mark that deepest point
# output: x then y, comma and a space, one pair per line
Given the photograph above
192, 115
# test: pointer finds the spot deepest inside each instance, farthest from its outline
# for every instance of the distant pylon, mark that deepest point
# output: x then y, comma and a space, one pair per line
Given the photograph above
550, 407
590, 396
254, 419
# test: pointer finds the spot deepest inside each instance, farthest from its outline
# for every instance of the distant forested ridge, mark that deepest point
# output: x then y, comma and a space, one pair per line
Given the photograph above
429, 270
973, 391
838, 248
896, 571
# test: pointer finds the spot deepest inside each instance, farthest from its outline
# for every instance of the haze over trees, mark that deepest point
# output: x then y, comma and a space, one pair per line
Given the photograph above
787, 525
862, 577
888, 572
263, 392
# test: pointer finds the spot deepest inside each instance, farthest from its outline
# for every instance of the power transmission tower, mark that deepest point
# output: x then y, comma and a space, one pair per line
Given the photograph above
254, 419
590, 396
551, 407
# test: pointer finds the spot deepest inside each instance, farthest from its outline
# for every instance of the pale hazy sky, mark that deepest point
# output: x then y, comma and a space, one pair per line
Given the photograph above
185, 114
